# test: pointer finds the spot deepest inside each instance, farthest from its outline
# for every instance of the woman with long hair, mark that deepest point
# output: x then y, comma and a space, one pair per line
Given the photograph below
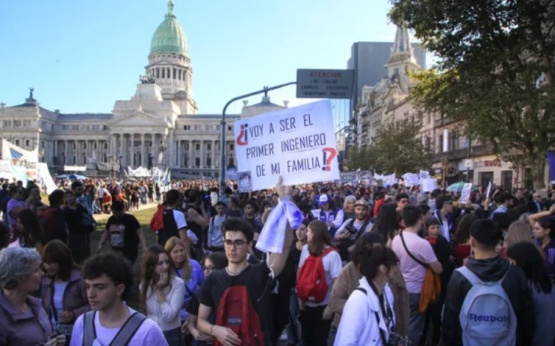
371, 304
30, 229
542, 233
187, 269
62, 289
520, 231
319, 247
386, 223
210, 263
162, 292
526, 256
461, 239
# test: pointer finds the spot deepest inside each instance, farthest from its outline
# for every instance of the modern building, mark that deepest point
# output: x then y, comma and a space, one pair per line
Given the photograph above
368, 60
158, 126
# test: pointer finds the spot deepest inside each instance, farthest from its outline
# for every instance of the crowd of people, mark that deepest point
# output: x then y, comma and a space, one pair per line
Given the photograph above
318, 264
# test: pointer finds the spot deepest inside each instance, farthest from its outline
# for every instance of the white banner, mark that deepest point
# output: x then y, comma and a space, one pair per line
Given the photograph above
75, 168
411, 179
428, 185
45, 179
424, 174
297, 143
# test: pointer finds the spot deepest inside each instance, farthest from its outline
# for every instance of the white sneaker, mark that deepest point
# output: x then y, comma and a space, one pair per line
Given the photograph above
283, 336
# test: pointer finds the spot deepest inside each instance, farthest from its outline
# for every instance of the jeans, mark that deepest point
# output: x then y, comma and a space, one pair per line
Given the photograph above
417, 320
173, 336
294, 336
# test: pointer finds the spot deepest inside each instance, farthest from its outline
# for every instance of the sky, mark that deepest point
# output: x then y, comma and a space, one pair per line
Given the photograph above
82, 56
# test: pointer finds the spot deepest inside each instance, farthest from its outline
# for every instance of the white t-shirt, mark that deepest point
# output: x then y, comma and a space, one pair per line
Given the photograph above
148, 333
332, 267
58, 299
412, 271
166, 315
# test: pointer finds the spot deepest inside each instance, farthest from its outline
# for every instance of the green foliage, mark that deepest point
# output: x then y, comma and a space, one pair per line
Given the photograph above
397, 149
490, 56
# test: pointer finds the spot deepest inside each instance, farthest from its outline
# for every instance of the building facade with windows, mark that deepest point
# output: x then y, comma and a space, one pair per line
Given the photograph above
159, 126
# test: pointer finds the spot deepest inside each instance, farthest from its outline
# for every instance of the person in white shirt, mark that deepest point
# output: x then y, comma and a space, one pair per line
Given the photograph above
108, 280
315, 328
368, 316
162, 292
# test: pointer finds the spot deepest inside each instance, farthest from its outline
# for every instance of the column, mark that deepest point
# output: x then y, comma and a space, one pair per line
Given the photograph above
213, 155
191, 161
143, 162
202, 157
171, 147
66, 153
179, 151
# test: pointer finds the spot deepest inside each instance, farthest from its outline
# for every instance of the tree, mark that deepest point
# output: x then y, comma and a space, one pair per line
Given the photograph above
397, 149
491, 55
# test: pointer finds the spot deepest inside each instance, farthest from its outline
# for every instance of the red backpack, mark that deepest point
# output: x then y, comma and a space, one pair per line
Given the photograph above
235, 311
311, 285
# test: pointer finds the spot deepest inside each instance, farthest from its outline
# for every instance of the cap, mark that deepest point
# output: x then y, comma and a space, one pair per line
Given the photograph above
362, 202
323, 199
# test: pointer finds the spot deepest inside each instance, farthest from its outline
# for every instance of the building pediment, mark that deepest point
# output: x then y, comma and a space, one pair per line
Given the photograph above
141, 119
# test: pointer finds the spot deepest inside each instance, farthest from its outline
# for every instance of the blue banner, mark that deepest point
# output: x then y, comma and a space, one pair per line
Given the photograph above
551, 163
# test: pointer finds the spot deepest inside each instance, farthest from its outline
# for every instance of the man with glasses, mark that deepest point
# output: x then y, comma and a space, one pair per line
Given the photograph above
238, 237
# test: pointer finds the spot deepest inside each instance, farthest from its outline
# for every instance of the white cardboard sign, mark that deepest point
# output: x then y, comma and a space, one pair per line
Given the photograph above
296, 143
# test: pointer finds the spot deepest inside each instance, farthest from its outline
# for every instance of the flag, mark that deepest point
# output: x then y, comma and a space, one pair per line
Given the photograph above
16, 155
551, 163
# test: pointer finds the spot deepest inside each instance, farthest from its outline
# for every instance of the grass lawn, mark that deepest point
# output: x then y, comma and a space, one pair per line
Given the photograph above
143, 216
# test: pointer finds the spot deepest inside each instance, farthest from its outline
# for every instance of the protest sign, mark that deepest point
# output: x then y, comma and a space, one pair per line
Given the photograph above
296, 143
465, 194
411, 179
428, 185
488, 190
424, 174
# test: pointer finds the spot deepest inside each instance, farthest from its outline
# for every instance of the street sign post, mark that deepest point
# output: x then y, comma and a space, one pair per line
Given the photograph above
325, 84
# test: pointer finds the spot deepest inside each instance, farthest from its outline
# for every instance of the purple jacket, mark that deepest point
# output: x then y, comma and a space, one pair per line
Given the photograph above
75, 295
28, 328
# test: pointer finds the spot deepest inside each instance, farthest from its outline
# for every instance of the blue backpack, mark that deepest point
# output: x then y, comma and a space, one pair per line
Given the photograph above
487, 316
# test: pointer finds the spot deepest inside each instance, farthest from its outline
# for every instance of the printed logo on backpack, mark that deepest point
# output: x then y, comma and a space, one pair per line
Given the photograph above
487, 316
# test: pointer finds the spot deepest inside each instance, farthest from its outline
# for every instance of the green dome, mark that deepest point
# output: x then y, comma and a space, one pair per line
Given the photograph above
169, 36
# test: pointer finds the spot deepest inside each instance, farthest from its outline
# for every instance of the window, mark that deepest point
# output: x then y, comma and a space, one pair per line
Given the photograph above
186, 146
52, 127
229, 128
94, 145
65, 127
75, 127
186, 127
85, 145
197, 146
209, 146
17, 123
231, 147
105, 145
197, 162
17, 142
27, 142
208, 162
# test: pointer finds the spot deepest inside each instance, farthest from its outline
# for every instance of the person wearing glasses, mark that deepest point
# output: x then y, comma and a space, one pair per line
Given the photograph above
211, 262
258, 279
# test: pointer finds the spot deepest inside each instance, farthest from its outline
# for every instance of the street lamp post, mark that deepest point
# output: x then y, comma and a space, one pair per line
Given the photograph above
223, 125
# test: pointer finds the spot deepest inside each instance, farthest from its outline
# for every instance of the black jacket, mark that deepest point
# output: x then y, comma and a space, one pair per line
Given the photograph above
514, 284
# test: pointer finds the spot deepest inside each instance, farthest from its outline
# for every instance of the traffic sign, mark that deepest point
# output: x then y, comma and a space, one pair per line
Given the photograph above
325, 84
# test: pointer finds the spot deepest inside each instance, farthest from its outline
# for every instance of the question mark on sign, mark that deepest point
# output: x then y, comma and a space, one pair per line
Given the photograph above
328, 159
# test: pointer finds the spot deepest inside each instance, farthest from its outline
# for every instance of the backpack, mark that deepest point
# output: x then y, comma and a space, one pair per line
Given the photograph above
312, 285
236, 312
122, 338
157, 221
487, 316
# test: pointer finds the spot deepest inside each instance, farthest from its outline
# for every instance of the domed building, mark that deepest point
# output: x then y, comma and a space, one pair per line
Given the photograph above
158, 127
